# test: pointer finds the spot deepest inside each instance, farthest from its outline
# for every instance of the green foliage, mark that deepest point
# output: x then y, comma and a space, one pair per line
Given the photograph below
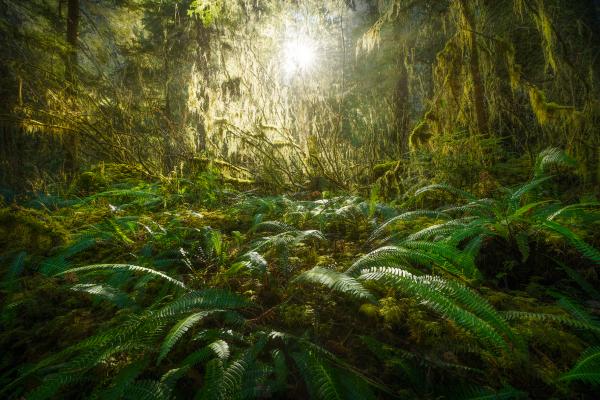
451, 300
126, 267
153, 295
337, 281
587, 368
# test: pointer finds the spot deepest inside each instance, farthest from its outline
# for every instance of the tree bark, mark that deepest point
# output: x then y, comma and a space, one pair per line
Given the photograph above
72, 140
481, 114
72, 35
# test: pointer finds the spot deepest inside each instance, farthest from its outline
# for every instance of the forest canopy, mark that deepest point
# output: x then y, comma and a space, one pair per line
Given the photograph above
327, 199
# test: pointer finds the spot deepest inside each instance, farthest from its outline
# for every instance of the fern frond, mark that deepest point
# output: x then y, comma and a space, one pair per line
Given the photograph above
443, 255
213, 377
51, 385
127, 267
114, 295
515, 198
578, 312
585, 249
146, 390
406, 217
514, 315
203, 299
387, 256
577, 278
587, 368
178, 331
218, 348
318, 377
451, 300
124, 378
274, 226
572, 208
548, 157
337, 281
280, 369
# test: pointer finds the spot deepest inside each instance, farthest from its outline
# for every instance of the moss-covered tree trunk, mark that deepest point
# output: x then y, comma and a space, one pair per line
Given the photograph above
481, 114
72, 139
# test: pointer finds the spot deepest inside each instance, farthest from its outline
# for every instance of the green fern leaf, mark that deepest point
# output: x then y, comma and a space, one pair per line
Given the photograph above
587, 368
146, 390
213, 377
125, 377
551, 156
584, 248
178, 331
127, 267
337, 281
449, 299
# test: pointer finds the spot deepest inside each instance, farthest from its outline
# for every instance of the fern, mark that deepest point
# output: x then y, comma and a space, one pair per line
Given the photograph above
451, 300
548, 157
123, 379
337, 281
423, 253
577, 278
179, 330
387, 256
515, 198
203, 299
127, 267
587, 368
213, 376
15, 269
318, 376
146, 390
585, 249
576, 310
116, 296
575, 323
51, 385
577, 208
406, 217
446, 188
479, 393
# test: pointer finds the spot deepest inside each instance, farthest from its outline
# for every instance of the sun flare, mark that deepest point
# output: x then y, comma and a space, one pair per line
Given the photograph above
299, 55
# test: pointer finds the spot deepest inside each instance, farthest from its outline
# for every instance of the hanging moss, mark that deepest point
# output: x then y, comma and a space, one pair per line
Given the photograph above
380, 169
514, 69
544, 25
550, 112
421, 133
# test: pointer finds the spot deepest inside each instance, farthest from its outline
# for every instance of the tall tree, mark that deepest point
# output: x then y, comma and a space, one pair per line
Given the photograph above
72, 142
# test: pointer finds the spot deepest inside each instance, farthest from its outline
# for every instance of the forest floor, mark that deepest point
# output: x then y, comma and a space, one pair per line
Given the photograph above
129, 288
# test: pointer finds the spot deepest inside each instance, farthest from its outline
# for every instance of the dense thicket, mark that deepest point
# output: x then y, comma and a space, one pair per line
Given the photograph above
331, 199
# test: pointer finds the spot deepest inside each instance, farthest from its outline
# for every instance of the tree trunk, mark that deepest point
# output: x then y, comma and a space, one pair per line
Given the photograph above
475, 70
401, 101
72, 141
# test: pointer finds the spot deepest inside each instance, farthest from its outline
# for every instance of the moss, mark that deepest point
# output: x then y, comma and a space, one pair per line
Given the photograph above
514, 69
419, 136
551, 112
30, 230
294, 315
380, 169
90, 182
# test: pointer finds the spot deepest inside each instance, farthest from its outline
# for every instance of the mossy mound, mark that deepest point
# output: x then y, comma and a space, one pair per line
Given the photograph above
30, 230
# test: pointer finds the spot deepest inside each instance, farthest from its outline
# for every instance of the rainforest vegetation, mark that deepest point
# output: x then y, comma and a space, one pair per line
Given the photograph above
300, 199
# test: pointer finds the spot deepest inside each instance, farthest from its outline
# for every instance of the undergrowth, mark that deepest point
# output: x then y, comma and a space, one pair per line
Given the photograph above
129, 288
